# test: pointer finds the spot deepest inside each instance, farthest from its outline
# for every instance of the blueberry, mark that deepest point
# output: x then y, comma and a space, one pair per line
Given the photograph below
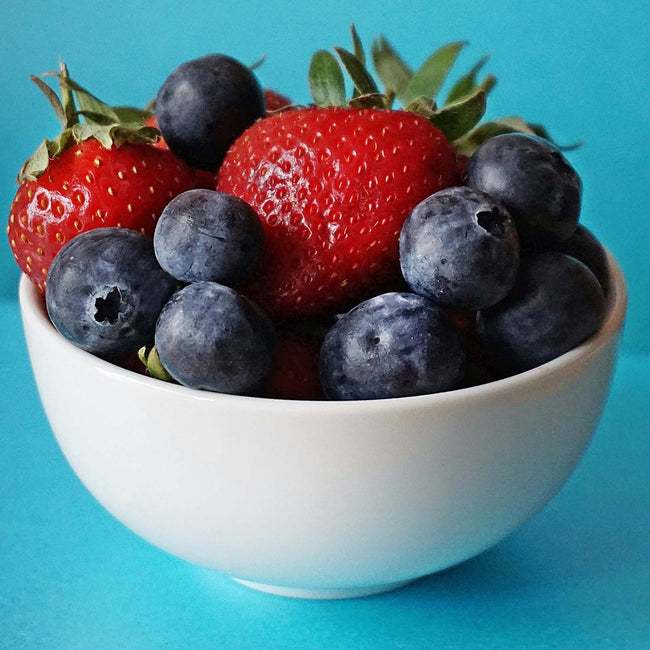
584, 246
556, 304
535, 183
204, 105
105, 290
460, 248
210, 337
393, 345
208, 235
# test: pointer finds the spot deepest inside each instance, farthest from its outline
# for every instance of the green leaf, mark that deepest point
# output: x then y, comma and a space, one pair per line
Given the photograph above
89, 106
515, 124
36, 164
126, 117
363, 82
470, 142
394, 73
67, 97
467, 144
39, 160
97, 119
131, 115
371, 100
518, 125
456, 119
422, 106
326, 81
542, 132
145, 134
428, 80
389, 98
102, 133
110, 126
358, 47
466, 84
488, 83
258, 63
149, 357
53, 98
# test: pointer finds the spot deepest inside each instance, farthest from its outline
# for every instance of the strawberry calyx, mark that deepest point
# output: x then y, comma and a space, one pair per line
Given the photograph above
148, 356
458, 116
111, 126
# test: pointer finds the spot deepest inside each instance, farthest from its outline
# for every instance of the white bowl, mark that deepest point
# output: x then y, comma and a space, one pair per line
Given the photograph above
322, 499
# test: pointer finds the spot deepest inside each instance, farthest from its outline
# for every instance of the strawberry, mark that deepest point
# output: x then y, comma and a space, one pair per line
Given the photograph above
104, 172
333, 187
461, 163
464, 321
151, 121
275, 101
334, 183
295, 371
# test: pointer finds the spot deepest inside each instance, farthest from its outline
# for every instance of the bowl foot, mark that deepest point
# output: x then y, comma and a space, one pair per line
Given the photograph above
322, 594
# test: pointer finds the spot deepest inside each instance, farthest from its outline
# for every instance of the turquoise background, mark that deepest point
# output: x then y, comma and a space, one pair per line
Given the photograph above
577, 575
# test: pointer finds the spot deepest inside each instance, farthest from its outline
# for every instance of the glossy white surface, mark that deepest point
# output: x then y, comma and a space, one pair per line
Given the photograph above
321, 499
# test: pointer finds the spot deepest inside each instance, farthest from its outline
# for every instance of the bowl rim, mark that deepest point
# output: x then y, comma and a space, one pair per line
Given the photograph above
32, 306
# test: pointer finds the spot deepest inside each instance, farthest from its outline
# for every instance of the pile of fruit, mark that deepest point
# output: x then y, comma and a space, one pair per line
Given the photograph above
349, 249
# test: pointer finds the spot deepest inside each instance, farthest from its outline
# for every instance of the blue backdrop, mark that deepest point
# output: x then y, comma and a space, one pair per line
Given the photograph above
575, 576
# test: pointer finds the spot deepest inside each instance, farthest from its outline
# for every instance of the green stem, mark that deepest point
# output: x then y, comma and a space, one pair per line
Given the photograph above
67, 97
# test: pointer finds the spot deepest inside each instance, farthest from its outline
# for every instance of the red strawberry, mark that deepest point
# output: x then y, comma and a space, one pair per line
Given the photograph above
76, 183
334, 183
333, 187
465, 321
295, 373
462, 161
89, 186
275, 101
151, 121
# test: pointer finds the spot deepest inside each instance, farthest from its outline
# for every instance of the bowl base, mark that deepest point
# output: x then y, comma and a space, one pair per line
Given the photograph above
323, 594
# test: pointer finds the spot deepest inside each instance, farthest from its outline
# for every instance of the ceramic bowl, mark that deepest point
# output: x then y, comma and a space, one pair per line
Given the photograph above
322, 499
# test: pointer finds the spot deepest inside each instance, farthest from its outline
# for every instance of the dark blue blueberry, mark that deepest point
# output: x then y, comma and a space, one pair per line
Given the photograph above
212, 338
535, 183
556, 304
204, 105
584, 246
208, 235
460, 248
105, 290
393, 345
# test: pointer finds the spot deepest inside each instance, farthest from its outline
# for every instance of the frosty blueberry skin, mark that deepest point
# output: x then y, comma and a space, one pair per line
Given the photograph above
393, 345
105, 290
207, 235
460, 248
556, 304
204, 105
534, 181
584, 246
210, 337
